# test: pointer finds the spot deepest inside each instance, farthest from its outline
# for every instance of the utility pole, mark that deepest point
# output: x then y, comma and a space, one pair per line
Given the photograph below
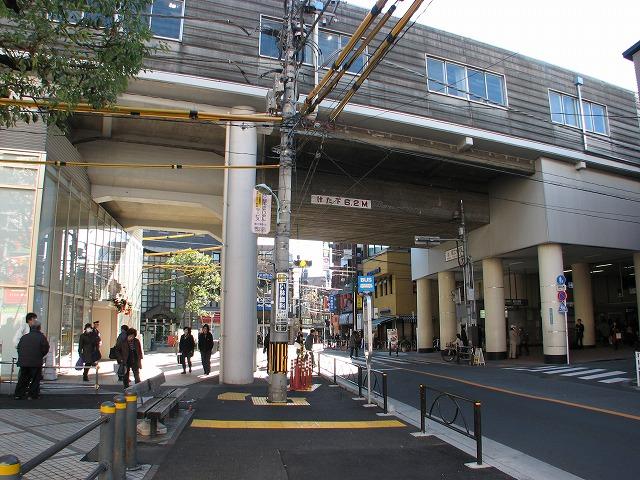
279, 336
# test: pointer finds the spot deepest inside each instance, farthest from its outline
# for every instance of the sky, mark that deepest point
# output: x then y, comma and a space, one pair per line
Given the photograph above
586, 36
307, 249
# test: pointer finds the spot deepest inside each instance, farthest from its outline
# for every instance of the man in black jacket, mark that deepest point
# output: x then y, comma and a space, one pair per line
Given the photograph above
31, 351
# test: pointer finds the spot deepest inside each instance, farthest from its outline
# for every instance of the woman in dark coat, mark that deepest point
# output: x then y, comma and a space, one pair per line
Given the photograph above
130, 355
205, 345
87, 349
186, 347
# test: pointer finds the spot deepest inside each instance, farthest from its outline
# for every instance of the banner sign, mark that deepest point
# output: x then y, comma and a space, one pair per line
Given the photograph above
332, 303
392, 338
340, 201
261, 213
454, 253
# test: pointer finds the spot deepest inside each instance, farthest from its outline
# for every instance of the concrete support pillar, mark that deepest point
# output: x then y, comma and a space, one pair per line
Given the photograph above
425, 315
636, 269
583, 302
448, 324
240, 251
495, 325
554, 334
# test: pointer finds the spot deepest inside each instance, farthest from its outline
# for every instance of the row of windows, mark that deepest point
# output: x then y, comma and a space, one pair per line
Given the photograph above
384, 287
164, 18
565, 110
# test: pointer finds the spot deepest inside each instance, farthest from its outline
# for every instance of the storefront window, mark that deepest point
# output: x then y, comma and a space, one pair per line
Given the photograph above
46, 231
16, 225
59, 242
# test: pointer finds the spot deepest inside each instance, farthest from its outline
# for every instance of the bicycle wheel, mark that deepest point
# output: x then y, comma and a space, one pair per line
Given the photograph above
448, 354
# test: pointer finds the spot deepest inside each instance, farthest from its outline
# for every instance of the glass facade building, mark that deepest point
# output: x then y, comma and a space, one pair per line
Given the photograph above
63, 257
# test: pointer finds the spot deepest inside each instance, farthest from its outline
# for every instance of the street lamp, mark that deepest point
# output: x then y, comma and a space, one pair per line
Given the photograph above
266, 189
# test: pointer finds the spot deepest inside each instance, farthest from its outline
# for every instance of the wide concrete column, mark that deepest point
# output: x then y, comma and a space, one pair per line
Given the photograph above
554, 334
425, 315
636, 269
448, 324
239, 252
583, 301
495, 325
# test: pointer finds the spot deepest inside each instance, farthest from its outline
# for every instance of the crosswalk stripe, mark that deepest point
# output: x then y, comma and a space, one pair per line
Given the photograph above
584, 372
602, 375
562, 370
540, 369
614, 380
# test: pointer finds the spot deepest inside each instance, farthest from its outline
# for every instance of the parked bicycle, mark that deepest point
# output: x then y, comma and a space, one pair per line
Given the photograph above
457, 352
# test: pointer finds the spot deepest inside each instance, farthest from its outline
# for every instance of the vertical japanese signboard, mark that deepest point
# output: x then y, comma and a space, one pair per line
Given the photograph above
282, 303
261, 213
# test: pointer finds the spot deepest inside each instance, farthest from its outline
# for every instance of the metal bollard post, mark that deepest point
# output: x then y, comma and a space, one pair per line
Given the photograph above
131, 436
97, 385
107, 429
423, 408
477, 431
334, 371
384, 392
359, 381
119, 438
13, 369
319, 363
10, 468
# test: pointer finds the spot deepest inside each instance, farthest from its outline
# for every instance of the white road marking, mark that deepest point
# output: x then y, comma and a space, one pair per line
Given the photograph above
614, 380
602, 375
584, 372
562, 370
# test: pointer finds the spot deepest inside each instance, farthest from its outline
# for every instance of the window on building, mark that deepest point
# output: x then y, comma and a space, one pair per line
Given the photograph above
166, 18
329, 44
386, 287
565, 111
466, 82
391, 284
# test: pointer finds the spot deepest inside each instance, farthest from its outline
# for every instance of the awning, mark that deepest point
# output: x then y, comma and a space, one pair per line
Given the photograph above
380, 320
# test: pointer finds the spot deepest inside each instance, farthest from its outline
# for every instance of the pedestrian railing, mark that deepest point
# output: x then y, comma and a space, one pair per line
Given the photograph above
355, 374
13, 363
452, 411
116, 451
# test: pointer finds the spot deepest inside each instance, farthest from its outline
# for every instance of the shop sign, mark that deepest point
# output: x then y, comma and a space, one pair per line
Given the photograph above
454, 253
261, 213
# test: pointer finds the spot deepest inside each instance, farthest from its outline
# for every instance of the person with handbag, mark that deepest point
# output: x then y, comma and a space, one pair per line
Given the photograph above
130, 354
114, 352
205, 345
186, 348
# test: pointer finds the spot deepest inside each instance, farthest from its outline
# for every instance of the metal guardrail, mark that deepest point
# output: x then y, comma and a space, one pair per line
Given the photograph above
358, 377
13, 364
446, 409
116, 450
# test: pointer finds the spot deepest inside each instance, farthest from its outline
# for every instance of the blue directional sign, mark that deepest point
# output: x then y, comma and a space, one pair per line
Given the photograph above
265, 276
332, 303
561, 279
366, 284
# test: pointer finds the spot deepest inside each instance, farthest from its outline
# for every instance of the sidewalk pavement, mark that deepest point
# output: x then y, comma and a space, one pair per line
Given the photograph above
236, 434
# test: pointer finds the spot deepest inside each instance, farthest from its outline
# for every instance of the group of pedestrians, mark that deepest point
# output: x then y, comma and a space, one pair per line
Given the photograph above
187, 347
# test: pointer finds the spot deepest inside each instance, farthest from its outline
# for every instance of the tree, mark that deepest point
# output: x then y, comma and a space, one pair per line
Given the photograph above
68, 52
195, 276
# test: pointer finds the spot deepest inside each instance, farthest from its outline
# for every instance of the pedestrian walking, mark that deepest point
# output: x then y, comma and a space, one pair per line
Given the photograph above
308, 345
114, 352
24, 328
524, 341
88, 350
32, 348
265, 348
130, 356
579, 333
616, 335
354, 344
513, 342
205, 345
186, 348
463, 336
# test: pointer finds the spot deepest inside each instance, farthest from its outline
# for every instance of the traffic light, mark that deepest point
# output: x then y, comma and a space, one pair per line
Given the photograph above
302, 263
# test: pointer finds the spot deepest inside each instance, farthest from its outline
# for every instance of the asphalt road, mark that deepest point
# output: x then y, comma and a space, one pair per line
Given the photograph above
589, 429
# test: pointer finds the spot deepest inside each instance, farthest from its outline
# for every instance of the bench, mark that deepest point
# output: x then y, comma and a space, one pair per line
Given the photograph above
161, 404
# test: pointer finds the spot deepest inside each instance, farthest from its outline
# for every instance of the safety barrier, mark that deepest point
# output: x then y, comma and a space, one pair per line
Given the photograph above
301, 373
13, 363
357, 376
116, 450
451, 414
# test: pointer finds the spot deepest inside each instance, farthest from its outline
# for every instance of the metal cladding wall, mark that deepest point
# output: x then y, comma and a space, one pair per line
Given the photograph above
220, 49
